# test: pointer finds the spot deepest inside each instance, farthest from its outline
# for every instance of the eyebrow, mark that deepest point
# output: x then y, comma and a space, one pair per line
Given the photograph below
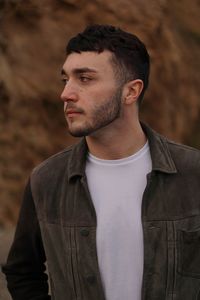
78, 71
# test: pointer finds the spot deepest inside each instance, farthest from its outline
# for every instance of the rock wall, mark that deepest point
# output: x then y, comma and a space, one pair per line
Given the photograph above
33, 37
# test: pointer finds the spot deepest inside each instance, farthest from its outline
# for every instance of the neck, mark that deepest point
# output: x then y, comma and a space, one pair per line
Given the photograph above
116, 143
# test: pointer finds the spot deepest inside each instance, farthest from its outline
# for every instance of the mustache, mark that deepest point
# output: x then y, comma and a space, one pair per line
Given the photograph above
71, 106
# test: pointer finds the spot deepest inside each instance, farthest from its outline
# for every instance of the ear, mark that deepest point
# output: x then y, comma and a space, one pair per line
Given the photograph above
133, 90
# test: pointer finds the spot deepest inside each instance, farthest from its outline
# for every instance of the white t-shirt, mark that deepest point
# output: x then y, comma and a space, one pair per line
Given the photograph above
116, 188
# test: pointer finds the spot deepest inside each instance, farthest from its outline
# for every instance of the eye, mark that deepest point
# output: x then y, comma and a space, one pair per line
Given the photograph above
64, 80
84, 78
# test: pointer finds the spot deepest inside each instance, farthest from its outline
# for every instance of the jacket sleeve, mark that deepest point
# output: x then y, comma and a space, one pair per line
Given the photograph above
25, 267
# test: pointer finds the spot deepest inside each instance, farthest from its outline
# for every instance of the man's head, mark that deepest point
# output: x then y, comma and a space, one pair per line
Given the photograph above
105, 73
130, 58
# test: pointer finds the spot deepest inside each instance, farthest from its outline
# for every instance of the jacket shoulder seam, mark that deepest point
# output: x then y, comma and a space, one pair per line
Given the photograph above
186, 147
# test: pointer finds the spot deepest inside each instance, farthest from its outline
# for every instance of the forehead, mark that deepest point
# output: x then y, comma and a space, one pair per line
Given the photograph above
100, 62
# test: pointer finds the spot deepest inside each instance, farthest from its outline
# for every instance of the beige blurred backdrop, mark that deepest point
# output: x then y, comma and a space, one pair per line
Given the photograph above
33, 36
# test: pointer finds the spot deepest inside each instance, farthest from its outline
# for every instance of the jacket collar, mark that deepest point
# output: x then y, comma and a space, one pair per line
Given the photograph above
160, 154
77, 159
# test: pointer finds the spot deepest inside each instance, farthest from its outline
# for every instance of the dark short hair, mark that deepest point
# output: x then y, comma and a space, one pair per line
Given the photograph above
130, 56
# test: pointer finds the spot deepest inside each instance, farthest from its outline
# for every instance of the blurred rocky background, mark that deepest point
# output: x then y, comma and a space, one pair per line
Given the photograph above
33, 36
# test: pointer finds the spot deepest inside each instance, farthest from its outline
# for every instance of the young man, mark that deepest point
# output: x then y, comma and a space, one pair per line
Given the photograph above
117, 216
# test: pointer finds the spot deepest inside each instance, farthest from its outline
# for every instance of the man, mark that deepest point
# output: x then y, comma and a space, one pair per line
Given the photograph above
117, 216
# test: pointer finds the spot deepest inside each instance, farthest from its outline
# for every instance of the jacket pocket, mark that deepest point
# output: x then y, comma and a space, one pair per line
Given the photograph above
189, 253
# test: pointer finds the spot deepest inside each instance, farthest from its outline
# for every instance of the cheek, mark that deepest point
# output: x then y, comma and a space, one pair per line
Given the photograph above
95, 96
102, 93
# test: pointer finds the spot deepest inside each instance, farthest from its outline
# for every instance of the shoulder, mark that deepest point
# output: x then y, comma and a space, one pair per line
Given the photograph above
55, 162
184, 157
170, 154
63, 165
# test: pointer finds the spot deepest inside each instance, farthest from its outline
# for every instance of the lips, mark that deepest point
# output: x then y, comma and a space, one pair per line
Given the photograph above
72, 112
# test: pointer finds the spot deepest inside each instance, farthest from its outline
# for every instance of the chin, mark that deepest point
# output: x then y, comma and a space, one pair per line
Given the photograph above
79, 132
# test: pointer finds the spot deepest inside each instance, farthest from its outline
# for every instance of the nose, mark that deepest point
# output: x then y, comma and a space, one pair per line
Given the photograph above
69, 93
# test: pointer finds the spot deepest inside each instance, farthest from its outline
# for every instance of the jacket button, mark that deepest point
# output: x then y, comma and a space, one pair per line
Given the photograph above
84, 232
91, 279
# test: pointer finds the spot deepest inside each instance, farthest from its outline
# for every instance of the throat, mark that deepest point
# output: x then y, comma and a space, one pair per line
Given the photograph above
116, 147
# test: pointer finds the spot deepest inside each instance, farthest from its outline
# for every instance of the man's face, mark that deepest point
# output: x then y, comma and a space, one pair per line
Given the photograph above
92, 97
